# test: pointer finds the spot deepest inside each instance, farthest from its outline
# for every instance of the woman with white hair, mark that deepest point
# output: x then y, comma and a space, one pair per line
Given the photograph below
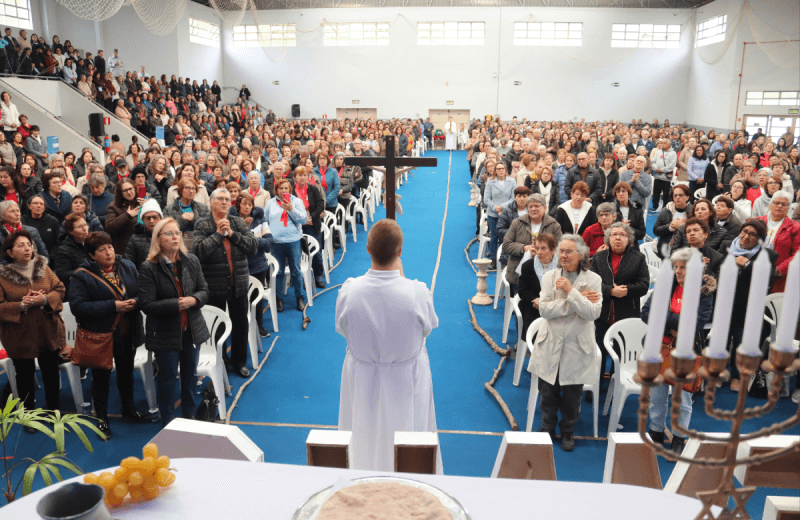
659, 396
783, 236
564, 353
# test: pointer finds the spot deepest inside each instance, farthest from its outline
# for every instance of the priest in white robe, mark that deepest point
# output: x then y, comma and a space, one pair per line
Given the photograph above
386, 377
450, 134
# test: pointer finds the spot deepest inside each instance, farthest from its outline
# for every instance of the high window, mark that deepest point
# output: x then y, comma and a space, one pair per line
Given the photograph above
16, 13
275, 35
569, 34
646, 36
790, 98
450, 33
711, 31
203, 32
355, 34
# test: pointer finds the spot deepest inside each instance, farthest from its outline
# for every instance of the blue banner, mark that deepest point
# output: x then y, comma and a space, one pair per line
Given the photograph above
52, 144
159, 132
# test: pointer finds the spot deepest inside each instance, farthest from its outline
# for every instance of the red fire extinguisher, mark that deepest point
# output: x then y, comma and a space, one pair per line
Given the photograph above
107, 143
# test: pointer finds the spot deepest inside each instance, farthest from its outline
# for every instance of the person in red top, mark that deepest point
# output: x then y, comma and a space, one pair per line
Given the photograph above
625, 276
783, 236
755, 192
595, 235
12, 187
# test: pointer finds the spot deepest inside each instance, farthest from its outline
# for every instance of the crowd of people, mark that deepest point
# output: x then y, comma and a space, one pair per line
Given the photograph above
138, 243
164, 229
566, 207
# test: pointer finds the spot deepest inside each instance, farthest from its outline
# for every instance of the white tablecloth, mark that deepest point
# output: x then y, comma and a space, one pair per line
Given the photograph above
217, 489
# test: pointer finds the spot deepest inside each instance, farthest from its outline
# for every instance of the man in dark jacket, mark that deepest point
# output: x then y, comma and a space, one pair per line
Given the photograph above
222, 243
585, 172
100, 63
139, 245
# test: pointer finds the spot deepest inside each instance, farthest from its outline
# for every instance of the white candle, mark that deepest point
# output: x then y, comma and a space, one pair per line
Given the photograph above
791, 306
687, 326
724, 306
759, 284
659, 306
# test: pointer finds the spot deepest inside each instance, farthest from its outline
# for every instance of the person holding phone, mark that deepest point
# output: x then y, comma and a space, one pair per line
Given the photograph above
144, 190
286, 215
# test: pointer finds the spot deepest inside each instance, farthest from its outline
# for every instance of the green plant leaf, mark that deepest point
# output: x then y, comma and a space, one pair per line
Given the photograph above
82, 436
27, 479
11, 403
88, 424
66, 463
48, 480
54, 469
58, 431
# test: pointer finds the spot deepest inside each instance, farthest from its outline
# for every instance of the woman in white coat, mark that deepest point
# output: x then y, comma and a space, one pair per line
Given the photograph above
564, 355
9, 119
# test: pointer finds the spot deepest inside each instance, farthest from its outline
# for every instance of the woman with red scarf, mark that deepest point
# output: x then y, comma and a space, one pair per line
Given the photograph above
314, 203
287, 215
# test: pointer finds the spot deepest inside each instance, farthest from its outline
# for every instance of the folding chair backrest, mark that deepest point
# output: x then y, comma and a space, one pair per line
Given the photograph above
255, 291
629, 335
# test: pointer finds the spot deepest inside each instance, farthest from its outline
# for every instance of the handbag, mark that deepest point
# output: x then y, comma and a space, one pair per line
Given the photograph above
668, 343
95, 349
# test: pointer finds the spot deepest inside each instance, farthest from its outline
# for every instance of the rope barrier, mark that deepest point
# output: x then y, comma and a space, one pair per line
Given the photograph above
444, 221
247, 383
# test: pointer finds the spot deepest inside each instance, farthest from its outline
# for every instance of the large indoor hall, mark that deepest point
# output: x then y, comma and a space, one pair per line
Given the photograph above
489, 260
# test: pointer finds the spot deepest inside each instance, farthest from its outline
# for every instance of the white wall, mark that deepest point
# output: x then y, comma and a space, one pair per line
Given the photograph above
170, 54
714, 93
698, 86
406, 79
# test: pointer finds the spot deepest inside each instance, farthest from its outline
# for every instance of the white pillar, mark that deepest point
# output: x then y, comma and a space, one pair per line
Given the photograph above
98, 38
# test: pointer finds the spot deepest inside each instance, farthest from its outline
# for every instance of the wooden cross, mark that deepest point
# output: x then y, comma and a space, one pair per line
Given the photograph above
390, 162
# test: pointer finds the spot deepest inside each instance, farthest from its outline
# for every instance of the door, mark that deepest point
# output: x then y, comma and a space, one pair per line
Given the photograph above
440, 116
772, 126
357, 113
778, 126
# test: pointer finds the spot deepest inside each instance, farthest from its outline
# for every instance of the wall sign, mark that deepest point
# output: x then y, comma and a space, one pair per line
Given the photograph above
355, 101
449, 102
794, 111
276, 82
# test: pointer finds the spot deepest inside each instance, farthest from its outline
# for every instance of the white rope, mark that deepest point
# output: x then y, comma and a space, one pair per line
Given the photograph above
444, 221
241, 389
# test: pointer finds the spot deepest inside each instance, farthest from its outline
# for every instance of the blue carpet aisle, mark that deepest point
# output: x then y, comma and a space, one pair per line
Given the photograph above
298, 388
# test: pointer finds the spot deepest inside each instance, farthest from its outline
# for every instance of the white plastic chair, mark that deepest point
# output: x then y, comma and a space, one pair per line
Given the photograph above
522, 349
361, 208
210, 362
649, 251
773, 306
255, 293
499, 286
483, 244
270, 293
334, 223
629, 335
350, 215
533, 397
8, 366
326, 251
509, 308
143, 362
305, 269
699, 193
73, 371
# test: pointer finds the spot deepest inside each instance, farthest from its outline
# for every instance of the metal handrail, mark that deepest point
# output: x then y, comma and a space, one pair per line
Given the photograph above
52, 115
